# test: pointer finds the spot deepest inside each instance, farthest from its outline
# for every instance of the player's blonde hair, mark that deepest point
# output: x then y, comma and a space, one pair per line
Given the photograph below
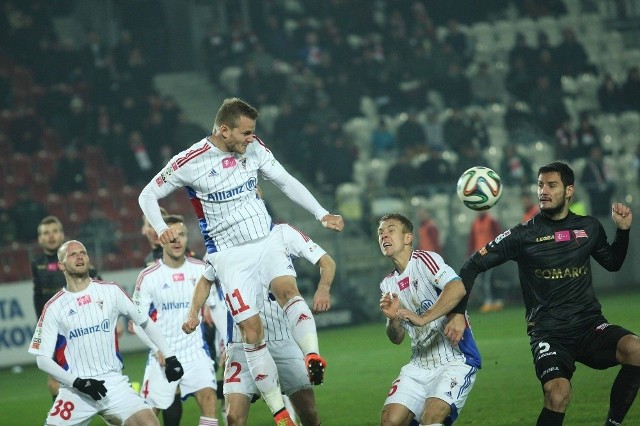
231, 110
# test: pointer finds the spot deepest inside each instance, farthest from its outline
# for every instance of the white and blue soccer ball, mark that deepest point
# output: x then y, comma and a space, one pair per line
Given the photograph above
479, 188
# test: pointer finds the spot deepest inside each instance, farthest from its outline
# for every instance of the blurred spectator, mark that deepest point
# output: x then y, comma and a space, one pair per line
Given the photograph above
519, 80
7, 224
403, 173
515, 168
529, 205
547, 67
70, 173
479, 131
486, 88
287, 128
252, 83
26, 214
522, 51
610, 95
455, 87
485, 228
216, 53
428, 233
383, 142
458, 41
547, 106
434, 130
470, 156
336, 161
457, 132
25, 131
631, 89
136, 161
587, 134
99, 232
435, 172
566, 141
410, 135
571, 56
519, 123
599, 183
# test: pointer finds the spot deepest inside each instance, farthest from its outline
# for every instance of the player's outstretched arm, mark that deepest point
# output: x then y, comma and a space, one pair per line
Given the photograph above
200, 295
322, 297
390, 306
452, 294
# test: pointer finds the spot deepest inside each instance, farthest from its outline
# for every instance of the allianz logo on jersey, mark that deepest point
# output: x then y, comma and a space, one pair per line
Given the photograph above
104, 326
232, 193
175, 305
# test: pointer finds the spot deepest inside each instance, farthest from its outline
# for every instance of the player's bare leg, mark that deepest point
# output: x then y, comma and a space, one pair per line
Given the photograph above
53, 386
207, 401
237, 405
301, 323
435, 411
304, 403
557, 395
395, 415
144, 417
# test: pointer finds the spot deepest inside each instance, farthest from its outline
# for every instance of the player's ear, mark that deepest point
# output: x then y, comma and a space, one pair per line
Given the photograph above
408, 238
569, 191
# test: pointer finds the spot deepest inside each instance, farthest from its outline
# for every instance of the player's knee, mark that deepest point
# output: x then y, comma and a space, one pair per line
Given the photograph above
557, 394
251, 328
284, 289
391, 418
236, 419
628, 350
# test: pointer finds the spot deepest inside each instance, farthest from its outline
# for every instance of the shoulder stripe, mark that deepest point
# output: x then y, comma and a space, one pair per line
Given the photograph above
114, 284
302, 234
191, 155
146, 272
194, 260
426, 258
46, 305
260, 142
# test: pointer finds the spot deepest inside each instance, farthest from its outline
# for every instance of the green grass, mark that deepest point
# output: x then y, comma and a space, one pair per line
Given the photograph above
363, 363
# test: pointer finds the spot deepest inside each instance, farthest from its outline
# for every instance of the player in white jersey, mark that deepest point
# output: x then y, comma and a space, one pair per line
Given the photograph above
75, 341
433, 387
239, 387
164, 290
220, 174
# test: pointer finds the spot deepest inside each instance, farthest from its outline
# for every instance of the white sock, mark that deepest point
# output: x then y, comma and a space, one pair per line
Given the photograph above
290, 409
264, 373
302, 325
207, 421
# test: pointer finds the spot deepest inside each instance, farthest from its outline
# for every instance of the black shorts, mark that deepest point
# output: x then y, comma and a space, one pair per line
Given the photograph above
595, 346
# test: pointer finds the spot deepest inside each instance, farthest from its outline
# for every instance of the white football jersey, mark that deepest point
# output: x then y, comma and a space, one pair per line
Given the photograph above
418, 287
79, 329
165, 293
276, 325
221, 186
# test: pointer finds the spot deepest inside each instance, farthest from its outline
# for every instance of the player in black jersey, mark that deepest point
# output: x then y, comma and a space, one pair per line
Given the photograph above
565, 323
48, 279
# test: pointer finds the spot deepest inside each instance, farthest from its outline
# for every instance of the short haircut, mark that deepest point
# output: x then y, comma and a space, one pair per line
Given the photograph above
231, 110
48, 221
406, 223
566, 173
64, 248
173, 218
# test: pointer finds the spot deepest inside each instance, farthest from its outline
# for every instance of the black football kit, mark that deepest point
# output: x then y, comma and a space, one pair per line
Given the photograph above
563, 315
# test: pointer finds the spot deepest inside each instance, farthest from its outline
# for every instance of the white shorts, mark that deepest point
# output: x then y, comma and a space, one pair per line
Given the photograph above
160, 393
73, 407
289, 360
450, 383
239, 270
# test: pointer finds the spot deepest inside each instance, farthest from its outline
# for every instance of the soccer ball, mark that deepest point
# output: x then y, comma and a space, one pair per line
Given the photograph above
479, 188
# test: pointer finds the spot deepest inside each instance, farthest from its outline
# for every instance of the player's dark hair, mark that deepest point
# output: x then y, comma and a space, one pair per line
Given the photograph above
48, 221
406, 223
231, 110
566, 173
173, 218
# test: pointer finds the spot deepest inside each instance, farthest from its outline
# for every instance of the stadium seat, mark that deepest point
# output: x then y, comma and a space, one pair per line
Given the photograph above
20, 167
56, 206
79, 205
349, 201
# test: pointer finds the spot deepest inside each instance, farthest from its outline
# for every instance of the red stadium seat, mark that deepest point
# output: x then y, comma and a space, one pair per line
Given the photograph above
20, 168
56, 205
79, 204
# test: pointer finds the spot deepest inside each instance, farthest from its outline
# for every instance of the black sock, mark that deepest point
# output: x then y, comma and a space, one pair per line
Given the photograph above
172, 414
550, 418
623, 393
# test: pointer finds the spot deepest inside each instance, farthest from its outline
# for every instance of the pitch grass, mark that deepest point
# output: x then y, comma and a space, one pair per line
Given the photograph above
363, 363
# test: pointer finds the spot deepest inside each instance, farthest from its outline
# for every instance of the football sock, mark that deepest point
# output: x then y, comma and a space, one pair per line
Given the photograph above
207, 421
265, 374
220, 391
302, 324
623, 393
290, 409
172, 414
550, 418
